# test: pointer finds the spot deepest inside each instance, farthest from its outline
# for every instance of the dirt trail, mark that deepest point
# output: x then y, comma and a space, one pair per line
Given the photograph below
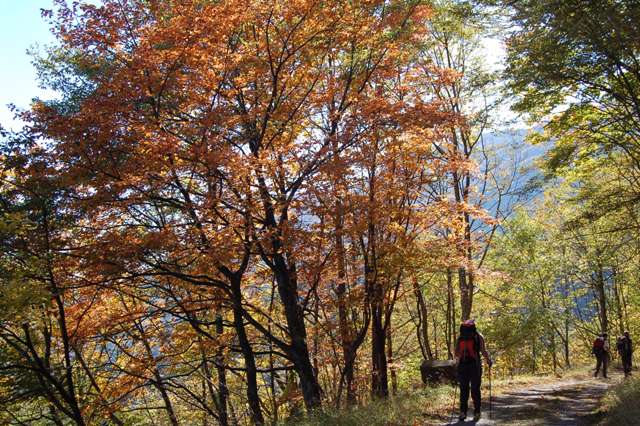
562, 403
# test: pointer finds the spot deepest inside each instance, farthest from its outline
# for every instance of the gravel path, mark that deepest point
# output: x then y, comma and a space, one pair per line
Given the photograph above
563, 403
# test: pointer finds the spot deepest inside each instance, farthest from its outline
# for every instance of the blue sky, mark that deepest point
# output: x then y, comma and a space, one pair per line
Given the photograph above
21, 27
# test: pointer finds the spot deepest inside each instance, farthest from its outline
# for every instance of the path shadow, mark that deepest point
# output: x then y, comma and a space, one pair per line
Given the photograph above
561, 406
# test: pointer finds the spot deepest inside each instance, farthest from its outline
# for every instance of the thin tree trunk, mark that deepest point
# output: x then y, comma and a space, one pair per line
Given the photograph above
284, 270
554, 355
272, 384
392, 368
299, 350
424, 319
534, 356
223, 392
205, 421
375, 294
618, 301
379, 379
602, 300
465, 275
454, 328
448, 331
346, 331
435, 335
623, 299
466, 293
253, 397
62, 322
159, 382
567, 359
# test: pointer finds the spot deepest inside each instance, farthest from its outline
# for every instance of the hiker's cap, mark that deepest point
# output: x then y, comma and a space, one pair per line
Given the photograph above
469, 323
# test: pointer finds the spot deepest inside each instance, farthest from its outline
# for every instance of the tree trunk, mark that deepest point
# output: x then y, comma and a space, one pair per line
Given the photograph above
534, 356
346, 331
57, 292
554, 354
623, 301
618, 301
465, 275
159, 382
450, 316
567, 360
223, 392
466, 293
375, 294
284, 271
392, 368
423, 332
454, 328
253, 397
299, 350
379, 380
601, 299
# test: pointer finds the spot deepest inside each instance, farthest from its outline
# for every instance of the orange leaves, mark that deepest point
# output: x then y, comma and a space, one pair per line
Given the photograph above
223, 149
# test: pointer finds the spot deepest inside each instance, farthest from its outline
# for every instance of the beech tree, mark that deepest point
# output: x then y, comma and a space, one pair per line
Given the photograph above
198, 139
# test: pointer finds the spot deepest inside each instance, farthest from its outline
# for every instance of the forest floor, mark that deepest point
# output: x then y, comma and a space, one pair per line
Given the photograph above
574, 400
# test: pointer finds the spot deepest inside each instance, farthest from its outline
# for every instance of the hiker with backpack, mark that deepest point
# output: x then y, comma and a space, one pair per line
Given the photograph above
601, 351
625, 350
469, 346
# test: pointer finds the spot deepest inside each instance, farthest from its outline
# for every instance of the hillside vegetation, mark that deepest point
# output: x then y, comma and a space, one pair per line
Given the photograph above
273, 212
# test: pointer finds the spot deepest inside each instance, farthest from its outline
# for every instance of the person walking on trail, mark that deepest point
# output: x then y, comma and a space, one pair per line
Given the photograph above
601, 351
469, 346
625, 350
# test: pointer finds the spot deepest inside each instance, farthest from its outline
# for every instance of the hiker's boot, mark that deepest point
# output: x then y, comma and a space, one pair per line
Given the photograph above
462, 417
476, 416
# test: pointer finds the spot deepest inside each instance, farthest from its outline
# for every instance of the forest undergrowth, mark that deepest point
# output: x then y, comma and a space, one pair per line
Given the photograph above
621, 404
437, 404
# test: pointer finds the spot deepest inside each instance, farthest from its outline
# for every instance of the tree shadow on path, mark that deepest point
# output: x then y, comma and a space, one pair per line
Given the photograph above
562, 404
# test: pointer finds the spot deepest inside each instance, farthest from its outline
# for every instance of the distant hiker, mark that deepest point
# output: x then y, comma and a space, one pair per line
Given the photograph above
619, 345
468, 349
625, 350
601, 351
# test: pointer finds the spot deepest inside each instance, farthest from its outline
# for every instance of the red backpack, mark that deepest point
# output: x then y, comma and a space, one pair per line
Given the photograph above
598, 345
469, 347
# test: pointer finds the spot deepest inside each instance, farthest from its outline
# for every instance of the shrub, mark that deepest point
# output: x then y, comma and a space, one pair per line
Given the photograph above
422, 407
622, 405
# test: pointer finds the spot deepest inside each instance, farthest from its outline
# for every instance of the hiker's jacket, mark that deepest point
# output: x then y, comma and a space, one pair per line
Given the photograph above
625, 346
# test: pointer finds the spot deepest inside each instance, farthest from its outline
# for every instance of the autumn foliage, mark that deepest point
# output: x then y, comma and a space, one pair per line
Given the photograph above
224, 207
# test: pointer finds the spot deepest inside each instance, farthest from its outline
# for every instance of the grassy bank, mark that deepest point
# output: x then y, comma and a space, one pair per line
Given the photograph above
420, 407
621, 404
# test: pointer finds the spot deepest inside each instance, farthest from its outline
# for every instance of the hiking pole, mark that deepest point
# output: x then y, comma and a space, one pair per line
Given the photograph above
453, 405
490, 407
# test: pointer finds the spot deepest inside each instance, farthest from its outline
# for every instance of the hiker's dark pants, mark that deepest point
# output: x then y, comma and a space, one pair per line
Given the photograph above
601, 362
626, 363
469, 374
